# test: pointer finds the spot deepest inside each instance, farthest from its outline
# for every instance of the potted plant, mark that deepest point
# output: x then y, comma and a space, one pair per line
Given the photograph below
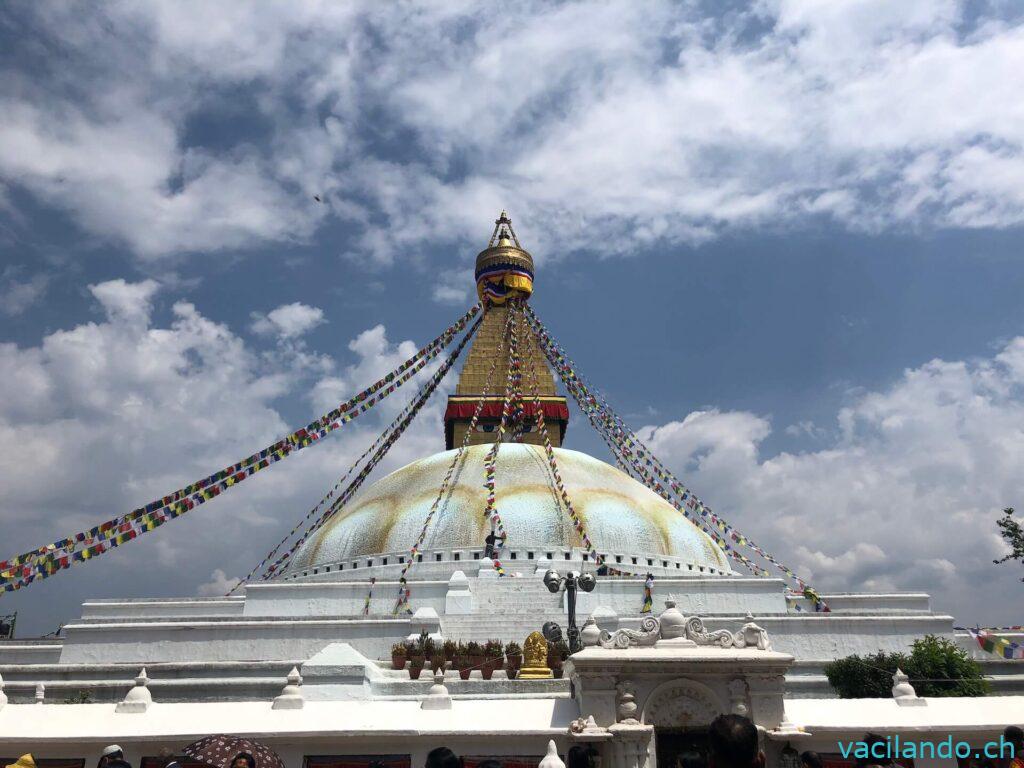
492, 658
449, 647
398, 654
427, 643
475, 653
417, 659
461, 661
437, 660
557, 654
513, 659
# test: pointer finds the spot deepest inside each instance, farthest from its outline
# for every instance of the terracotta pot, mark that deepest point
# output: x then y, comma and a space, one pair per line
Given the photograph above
557, 672
486, 671
397, 661
415, 667
511, 671
463, 666
514, 662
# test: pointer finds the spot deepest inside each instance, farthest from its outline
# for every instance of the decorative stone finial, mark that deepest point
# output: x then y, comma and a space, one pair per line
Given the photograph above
787, 731
904, 692
673, 627
590, 635
437, 697
551, 759
40, 693
291, 695
626, 703
138, 698
587, 729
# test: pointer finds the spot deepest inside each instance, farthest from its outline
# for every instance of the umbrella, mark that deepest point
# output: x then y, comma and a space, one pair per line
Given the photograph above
218, 751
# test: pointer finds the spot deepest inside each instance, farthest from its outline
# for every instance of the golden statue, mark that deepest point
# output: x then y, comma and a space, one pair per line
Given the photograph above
535, 658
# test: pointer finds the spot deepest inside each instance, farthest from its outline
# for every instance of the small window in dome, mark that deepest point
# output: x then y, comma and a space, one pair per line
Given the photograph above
327, 569
511, 555
650, 562
664, 563
585, 557
633, 559
567, 556
369, 563
702, 569
529, 555
476, 555
690, 566
401, 560
341, 566
678, 566
551, 555
355, 565
456, 556
384, 561
437, 557
419, 558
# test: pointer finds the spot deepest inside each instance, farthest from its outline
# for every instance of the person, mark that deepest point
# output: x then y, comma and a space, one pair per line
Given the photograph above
877, 751
732, 740
691, 758
167, 758
25, 761
577, 757
1014, 735
810, 760
113, 757
243, 760
490, 548
442, 757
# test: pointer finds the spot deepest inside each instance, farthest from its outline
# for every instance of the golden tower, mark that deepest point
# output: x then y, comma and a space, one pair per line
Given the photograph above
504, 270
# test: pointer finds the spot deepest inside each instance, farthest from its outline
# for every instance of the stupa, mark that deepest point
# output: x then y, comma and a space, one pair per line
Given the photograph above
674, 632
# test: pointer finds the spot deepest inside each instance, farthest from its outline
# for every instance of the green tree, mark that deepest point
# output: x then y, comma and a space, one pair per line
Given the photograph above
936, 667
1013, 533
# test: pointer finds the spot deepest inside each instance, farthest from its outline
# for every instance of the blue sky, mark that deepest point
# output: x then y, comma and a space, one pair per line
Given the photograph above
783, 238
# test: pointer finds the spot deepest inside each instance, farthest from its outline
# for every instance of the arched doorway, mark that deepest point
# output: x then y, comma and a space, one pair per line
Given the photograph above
680, 711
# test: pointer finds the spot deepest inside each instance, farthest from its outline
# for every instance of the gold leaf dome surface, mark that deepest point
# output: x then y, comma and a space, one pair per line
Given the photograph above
619, 514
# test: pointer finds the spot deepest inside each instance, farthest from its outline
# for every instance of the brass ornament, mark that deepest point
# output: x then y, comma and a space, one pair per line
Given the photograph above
535, 658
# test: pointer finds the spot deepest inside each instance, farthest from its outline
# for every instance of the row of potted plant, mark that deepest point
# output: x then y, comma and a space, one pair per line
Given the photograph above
465, 657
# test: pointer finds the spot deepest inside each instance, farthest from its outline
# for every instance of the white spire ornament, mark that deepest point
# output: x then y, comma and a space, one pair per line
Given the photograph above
291, 695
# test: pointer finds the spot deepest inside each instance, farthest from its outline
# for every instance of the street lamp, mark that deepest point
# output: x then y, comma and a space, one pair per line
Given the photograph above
570, 582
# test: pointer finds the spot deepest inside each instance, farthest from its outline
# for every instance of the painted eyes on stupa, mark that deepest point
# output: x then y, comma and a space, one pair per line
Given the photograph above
490, 428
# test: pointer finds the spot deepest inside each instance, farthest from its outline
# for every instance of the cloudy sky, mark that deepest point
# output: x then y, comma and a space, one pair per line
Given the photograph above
784, 237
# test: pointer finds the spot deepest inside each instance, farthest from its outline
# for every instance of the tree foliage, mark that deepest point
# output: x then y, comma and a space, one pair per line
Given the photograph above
936, 667
1013, 533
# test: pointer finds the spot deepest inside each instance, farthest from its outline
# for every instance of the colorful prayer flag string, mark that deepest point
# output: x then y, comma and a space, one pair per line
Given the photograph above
641, 458
20, 571
404, 592
997, 646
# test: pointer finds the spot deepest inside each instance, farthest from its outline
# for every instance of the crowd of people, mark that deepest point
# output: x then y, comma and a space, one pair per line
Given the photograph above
113, 757
732, 742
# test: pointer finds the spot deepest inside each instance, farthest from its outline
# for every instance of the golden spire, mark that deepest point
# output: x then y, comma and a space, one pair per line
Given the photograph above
504, 269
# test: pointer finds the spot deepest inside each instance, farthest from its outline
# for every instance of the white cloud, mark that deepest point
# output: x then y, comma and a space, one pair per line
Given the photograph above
904, 497
218, 585
599, 125
17, 296
107, 415
288, 321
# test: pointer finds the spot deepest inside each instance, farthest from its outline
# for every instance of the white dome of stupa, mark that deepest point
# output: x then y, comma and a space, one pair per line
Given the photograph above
621, 516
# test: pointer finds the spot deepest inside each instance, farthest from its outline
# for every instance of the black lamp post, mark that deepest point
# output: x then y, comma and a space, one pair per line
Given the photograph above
570, 582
